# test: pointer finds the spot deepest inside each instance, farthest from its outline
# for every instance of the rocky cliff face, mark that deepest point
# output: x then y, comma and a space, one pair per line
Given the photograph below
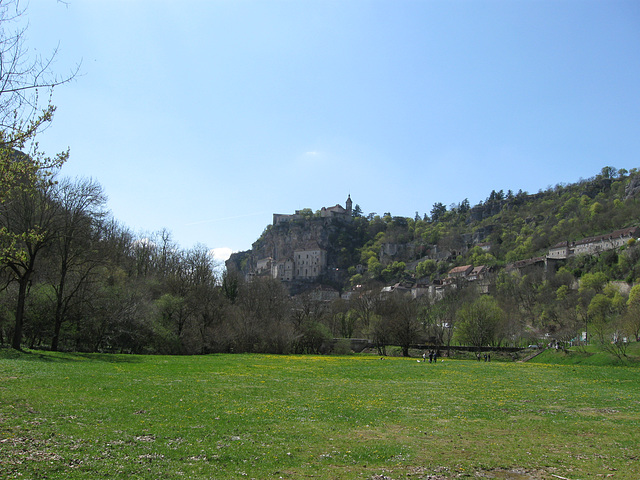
280, 242
480, 212
633, 187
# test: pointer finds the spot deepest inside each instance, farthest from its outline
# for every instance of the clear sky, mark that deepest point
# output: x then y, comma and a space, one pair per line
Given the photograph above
206, 117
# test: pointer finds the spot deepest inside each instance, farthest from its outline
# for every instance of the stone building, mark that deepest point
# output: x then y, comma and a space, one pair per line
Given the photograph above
609, 241
283, 270
325, 212
338, 210
310, 262
560, 251
593, 245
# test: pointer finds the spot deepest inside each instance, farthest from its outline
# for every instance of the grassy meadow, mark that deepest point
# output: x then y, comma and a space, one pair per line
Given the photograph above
70, 416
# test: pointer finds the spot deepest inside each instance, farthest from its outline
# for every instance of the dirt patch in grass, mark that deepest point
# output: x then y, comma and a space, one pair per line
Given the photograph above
443, 473
516, 474
597, 411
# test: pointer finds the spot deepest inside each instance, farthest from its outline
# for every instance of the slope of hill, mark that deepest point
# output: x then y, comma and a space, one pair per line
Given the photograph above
506, 228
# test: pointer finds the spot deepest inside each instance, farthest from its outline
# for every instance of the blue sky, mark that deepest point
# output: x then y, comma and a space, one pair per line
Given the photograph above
206, 117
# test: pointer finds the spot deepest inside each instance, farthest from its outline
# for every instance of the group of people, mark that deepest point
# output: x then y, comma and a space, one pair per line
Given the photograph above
433, 356
487, 357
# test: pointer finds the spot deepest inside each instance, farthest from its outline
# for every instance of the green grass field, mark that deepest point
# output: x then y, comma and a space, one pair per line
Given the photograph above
66, 416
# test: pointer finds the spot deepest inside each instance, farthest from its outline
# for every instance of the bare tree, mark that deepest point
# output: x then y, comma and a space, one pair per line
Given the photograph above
81, 208
365, 305
309, 317
400, 313
263, 317
24, 77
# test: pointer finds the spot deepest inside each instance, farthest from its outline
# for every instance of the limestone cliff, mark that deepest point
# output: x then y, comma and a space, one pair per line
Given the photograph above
279, 242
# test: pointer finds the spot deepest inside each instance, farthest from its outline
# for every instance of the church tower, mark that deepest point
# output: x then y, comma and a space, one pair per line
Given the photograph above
349, 204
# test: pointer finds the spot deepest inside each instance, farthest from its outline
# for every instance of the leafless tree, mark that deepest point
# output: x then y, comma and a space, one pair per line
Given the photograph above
24, 78
74, 254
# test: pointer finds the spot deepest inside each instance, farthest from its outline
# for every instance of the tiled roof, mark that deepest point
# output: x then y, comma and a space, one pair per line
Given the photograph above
460, 269
626, 232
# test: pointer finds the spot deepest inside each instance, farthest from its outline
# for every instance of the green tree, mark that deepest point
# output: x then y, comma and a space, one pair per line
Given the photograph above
172, 315
632, 316
426, 268
592, 282
30, 219
357, 211
437, 211
306, 213
393, 271
374, 267
599, 310
609, 172
23, 168
479, 322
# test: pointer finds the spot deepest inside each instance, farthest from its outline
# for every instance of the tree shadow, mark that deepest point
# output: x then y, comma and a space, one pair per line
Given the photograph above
59, 357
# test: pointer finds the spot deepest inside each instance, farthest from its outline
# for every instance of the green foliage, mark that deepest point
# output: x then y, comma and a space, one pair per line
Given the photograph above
634, 296
394, 271
426, 268
479, 257
306, 213
356, 279
148, 297
479, 322
563, 292
592, 281
438, 211
357, 211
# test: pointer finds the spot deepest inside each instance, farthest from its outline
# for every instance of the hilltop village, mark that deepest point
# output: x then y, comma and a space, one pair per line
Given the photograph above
296, 249
300, 251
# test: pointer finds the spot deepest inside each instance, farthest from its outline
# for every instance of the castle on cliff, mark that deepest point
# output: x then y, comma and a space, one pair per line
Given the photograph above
325, 212
306, 260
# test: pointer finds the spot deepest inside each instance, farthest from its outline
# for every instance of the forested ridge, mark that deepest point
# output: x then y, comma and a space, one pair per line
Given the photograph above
74, 278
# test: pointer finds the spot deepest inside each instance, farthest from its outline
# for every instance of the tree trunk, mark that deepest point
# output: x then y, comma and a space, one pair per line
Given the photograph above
22, 295
58, 314
56, 329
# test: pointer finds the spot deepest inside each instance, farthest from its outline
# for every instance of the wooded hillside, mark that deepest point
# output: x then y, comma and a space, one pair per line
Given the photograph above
75, 279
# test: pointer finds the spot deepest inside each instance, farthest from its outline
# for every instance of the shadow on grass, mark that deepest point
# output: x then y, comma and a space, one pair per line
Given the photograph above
48, 356
594, 358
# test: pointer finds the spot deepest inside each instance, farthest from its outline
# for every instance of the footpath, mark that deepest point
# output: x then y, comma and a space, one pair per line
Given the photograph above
533, 355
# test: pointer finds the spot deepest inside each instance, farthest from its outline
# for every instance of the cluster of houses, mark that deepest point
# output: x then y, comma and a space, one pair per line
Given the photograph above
586, 246
307, 263
561, 251
437, 288
594, 245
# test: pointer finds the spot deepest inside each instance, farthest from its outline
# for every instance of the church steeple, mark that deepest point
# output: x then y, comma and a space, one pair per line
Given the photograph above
349, 204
